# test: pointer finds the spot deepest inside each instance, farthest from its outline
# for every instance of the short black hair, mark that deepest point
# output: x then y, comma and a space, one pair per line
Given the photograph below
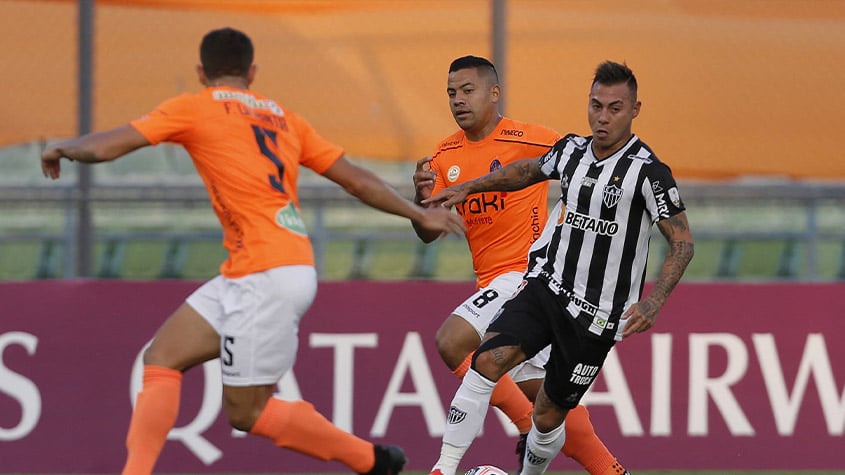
609, 73
226, 52
476, 62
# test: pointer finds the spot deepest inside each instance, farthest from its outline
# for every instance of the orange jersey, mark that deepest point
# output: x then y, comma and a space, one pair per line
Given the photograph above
500, 226
247, 149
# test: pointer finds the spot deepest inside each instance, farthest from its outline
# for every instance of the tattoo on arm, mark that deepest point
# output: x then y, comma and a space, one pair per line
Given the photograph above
678, 256
516, 176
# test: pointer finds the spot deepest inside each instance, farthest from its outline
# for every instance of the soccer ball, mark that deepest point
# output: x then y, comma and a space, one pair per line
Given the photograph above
486, 470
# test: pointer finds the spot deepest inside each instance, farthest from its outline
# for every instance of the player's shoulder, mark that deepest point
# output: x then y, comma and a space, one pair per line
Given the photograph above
573, 141
527, 131
640, 151
185, 99
454, 141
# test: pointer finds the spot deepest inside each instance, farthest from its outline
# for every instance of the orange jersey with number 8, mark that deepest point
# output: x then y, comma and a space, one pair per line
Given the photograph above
500, 226
247, 150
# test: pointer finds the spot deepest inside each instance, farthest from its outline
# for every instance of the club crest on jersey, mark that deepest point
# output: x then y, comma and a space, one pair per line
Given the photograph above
611, 195
495, 165
453, 173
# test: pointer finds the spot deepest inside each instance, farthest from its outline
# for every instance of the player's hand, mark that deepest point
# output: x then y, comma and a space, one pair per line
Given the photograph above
442, 220
423, 179
447, 197
641, 316
50, 165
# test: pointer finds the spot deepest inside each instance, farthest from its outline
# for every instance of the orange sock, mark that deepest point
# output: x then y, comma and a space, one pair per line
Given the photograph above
298, 426
584, 446
155, 413
506, 396
461, 370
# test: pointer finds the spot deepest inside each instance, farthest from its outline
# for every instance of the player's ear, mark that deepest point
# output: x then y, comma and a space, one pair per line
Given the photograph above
637, 106
495, 92
250, 75
201, 75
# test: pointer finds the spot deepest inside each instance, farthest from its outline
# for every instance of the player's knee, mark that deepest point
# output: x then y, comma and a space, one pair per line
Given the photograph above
240, 421
493, 366
241, 417
152, 357
454, 340
443, 341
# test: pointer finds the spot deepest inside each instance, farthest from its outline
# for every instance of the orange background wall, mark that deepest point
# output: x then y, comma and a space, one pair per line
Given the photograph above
729, 88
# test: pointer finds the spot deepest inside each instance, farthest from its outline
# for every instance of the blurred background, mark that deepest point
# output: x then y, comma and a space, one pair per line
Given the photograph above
742, 99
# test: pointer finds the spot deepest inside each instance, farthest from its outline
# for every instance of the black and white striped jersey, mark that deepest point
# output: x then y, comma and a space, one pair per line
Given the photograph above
594, 248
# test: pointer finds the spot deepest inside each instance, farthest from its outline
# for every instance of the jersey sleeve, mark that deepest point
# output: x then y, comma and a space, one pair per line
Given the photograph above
169, 122
318, 153
553, 162
660, 191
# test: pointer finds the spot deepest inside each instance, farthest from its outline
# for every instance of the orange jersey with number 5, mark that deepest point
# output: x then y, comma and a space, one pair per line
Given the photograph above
500, 226
248, 150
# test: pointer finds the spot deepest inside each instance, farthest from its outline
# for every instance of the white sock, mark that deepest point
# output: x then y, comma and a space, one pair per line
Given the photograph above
541, 449
466, 417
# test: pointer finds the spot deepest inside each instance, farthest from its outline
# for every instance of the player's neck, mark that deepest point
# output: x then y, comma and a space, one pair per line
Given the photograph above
236, 82
484, 132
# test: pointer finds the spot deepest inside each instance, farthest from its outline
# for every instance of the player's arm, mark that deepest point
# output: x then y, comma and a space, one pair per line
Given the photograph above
424, 179
516, 176
92, 148
375, 192
678, 256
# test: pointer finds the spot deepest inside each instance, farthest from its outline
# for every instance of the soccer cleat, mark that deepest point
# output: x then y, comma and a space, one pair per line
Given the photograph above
390, 459
436, 471
618, 469
521, 444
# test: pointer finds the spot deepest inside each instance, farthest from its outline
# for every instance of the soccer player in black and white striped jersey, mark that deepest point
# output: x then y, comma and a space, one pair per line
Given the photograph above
583, 288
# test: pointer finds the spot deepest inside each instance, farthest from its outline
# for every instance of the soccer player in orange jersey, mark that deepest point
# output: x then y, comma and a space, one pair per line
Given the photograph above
500, 228
248, 150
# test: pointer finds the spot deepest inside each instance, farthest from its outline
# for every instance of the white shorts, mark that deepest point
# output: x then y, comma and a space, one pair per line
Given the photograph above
257, 317
482, 306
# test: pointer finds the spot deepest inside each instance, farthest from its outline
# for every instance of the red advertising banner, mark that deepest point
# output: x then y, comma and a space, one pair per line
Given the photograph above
734, 376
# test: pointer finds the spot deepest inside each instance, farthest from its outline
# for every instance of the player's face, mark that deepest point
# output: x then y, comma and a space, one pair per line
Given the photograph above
473, 101
611, 112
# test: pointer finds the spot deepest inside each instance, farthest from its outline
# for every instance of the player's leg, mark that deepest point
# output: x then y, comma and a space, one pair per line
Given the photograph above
472, 399
582, 443
460, 334
569, 375
546, 437
520, 327
456, 340
259, 341
183, 341
585, 447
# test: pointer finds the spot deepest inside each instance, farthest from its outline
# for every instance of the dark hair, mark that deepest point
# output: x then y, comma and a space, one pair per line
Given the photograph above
225, 52
483, 65
609, 73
